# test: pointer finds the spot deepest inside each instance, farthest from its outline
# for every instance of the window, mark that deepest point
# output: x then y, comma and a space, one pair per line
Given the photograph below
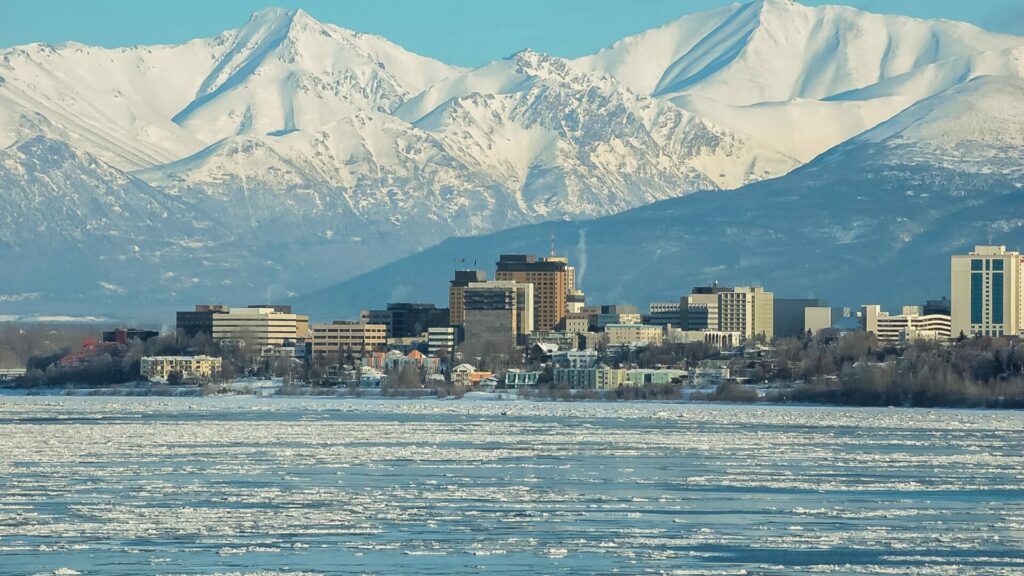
976, 266
997, 297
997, 265
977, 297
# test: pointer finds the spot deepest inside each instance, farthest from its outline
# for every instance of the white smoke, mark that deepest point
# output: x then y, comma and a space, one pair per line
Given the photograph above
581, 256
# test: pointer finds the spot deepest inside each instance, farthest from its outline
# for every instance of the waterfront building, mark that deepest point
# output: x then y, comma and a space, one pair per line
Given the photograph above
599, 377
642, 376
191, 368
986, 292
517, 378
347, 337
200, 320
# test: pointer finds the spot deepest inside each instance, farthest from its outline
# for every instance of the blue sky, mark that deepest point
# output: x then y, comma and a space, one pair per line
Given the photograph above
464, 32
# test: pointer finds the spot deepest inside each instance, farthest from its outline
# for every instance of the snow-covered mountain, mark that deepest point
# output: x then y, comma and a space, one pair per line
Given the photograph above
803, 78
874, 220
290, 154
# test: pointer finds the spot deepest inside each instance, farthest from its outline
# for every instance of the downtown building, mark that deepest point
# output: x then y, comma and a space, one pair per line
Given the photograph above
260, 326
499, 315
986, 292
746, 310
457, 293
354, 338
407, 320
912, 324
554, 285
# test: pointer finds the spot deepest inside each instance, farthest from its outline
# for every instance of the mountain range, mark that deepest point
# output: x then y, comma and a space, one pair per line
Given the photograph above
810, 149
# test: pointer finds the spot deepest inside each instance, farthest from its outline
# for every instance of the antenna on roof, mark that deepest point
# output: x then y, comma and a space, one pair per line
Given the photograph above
552, 245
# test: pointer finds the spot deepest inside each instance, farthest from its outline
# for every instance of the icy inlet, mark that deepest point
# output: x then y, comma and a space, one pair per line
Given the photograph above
275, 486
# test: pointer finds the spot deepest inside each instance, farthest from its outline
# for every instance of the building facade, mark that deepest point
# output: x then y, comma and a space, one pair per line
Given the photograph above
353, 338
627, 334
553, 281
498, 314
441, 340
258, 327
456, 293
985, 292
911, 325
200, 320
406, 319
160, 368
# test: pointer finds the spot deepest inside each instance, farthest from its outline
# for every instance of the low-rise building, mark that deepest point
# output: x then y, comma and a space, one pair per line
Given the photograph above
441, 340
629, 334
600, 377
664, 314
191, 368
346, 337
259, 326
517, 378
575, 358
642, 376
906, 327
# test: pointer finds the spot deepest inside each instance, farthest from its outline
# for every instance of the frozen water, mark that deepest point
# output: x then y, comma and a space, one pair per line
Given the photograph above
285, 486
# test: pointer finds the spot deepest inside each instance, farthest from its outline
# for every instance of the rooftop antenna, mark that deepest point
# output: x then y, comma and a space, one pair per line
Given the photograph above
552, 245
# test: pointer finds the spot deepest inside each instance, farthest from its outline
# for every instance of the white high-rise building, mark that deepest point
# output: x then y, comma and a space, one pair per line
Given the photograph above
986, 292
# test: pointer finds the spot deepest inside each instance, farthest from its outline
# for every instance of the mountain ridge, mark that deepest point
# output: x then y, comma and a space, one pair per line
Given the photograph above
295, 145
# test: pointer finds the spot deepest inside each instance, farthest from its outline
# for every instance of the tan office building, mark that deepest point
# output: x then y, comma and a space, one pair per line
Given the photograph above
625, 334
259, 326
748, 310
553, 281
986, 292
348, 338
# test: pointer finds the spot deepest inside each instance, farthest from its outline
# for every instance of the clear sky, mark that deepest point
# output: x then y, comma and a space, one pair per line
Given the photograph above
463, 32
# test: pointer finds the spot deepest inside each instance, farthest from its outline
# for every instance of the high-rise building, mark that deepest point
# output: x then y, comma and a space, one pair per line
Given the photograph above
699, 310
192, 322
986, 292
748, 310
353, 338
456, 293
258, 326
407, 320
553, 282
498, 314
